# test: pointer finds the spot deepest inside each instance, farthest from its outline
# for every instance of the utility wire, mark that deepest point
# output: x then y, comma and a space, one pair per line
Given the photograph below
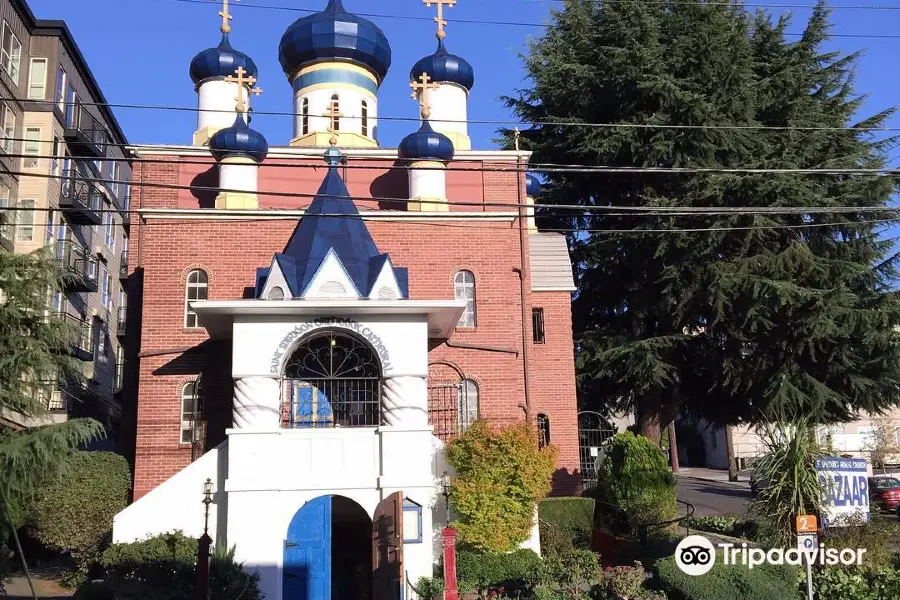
532, 168
162, 107
649, 210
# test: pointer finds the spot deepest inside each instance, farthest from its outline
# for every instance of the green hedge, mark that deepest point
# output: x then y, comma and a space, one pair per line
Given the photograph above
164, 568
75, 512
731, 582
574, 516
481, 571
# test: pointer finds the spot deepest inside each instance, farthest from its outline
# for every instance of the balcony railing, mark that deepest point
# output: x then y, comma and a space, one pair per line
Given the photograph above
80, 265
122, 320
123, 265
83, 345
337, 402
85, 135
80, 199
68, 396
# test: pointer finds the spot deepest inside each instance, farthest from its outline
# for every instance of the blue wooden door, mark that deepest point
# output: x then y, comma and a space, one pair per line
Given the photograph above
307, 552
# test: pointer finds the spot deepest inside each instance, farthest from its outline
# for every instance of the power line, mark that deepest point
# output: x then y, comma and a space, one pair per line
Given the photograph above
672, 211
162, 107
531, 168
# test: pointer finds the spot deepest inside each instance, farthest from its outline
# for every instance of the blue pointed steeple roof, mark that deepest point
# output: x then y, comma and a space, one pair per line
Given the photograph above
332, 223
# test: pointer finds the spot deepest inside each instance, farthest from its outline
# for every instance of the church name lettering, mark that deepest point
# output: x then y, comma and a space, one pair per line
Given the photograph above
300, 330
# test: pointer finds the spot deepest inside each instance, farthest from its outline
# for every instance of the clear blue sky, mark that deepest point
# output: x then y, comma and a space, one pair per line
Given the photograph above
140, 50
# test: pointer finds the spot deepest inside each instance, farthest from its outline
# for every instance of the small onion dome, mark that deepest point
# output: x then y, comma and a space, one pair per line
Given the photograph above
334, 34
239, 140
532, 186
426, 144
445, 67
221, 61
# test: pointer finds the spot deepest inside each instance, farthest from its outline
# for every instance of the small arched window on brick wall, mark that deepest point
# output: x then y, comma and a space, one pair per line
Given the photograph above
196, 288
190, 411
464, 289
468, 404
543, 427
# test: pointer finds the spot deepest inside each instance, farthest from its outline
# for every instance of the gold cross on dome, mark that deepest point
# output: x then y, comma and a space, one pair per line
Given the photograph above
226, 16
334, 114
242, 81
423, 85
439, 19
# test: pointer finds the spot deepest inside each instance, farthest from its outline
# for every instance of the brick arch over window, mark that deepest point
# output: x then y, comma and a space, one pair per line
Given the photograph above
196, 287
464, 289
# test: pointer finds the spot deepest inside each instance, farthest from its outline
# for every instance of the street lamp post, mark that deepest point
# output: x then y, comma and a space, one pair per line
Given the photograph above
203, 545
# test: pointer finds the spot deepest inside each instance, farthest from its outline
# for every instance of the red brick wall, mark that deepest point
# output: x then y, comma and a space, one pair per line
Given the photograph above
164, 250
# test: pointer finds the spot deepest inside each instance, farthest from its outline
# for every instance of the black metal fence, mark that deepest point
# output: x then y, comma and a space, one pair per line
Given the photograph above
333, 402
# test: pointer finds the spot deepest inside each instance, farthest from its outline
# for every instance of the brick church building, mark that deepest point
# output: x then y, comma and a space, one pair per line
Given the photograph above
310, 324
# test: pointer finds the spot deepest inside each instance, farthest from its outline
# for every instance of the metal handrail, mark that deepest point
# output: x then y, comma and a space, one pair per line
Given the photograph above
80, 190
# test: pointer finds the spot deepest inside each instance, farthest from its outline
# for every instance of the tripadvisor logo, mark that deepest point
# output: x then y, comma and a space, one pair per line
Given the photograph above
696, 555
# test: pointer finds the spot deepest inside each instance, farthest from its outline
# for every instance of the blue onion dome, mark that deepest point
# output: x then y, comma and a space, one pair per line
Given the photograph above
532, 186
334, 34
445, 67
239, 140
426, 144
219, 62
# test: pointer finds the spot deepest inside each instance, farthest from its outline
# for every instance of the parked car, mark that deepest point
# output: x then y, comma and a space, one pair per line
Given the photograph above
884, 492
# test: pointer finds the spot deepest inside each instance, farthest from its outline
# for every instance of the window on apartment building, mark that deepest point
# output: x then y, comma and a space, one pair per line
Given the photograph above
304, 116
126, 195
25, 221
54, 156
537, 325
51, 228
61, 89
120, 367
116, 173
866, 437
5, 224
197, 289
8, 122
190, 404
60, 302
464, 289
101, 342
468, 404
543, 427
71, 107
110, 227
365, 118
106, 286
11, 53
37, 79
32, 148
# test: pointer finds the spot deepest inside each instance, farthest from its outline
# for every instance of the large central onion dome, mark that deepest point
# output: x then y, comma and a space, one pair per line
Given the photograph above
334, 34
220, 62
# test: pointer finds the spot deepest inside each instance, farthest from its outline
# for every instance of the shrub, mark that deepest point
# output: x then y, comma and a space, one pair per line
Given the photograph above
567, 522
164, 568
876, 536
726, 525
624, 582
429, 588
734, 582
74, 513
481, 572
570, 575
857, 583
635, 478
500, 474
788, 466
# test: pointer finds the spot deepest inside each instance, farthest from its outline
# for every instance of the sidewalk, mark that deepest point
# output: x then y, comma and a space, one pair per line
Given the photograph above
714, 476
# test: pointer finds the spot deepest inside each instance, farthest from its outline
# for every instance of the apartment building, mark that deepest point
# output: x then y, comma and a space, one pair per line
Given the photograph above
64, 167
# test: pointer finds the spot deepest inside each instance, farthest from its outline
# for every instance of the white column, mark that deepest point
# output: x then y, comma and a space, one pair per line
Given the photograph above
405, 402
257, 403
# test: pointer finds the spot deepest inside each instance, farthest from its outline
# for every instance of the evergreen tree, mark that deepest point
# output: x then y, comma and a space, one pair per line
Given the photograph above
747, 318
35, 347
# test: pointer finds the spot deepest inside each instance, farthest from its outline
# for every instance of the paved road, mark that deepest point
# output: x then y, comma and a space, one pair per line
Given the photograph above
713, 498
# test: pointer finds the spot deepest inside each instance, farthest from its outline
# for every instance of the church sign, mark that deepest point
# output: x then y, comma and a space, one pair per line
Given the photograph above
300, 330
846, 486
